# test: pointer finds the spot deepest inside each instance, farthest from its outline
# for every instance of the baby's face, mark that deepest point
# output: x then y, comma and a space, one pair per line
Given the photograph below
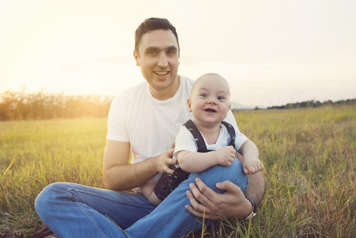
210, 100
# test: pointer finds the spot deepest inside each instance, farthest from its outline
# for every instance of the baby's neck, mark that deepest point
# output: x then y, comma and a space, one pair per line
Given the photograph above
210, 132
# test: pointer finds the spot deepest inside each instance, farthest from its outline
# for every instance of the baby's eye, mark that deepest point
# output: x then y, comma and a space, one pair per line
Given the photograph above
221, 98
203, 95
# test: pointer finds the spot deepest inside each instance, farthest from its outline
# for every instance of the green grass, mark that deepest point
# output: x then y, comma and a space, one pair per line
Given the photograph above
309, 157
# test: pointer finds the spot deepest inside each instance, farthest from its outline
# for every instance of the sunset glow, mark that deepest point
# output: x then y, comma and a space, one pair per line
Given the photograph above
272, 53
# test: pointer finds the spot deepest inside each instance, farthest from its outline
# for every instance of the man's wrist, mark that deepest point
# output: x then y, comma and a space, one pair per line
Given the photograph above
155, 164
254, 209
253, 204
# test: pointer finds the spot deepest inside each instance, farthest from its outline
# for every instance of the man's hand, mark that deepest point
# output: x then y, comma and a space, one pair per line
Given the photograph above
225, 155
207, 203
164, 161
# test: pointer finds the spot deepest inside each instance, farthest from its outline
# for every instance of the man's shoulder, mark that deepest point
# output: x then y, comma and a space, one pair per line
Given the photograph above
187, 85
187, 81
137, 89
132, 92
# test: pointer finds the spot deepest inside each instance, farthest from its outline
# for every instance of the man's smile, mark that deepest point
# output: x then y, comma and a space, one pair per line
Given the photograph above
161, 73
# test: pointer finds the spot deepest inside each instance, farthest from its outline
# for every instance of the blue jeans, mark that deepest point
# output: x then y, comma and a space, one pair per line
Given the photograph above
73, 210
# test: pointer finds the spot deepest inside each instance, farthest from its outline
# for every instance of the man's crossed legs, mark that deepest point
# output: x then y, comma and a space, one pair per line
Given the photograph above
73, 210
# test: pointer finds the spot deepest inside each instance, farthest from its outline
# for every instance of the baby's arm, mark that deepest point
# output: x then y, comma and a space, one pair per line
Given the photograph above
251, 163
196, 162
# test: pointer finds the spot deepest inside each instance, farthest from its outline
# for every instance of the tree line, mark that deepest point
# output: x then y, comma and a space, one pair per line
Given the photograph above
313, 103
42, 105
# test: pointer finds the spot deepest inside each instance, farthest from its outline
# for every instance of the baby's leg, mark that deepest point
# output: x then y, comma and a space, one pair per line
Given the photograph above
171, 211
148, 192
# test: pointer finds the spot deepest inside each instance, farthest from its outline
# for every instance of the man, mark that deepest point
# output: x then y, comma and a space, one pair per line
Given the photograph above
145, 119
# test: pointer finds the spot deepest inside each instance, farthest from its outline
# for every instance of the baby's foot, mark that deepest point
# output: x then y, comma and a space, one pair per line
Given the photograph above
252, 166
154, 199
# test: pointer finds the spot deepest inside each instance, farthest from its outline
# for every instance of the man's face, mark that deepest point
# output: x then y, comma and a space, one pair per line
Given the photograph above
158, 57
210, 100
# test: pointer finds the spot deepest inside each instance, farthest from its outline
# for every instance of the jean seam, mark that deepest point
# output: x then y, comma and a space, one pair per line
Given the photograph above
96, 224
74, 196
71, 190
89, 217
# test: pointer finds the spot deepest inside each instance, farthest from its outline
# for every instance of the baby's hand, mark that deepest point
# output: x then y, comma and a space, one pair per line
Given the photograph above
225, 155
252, 166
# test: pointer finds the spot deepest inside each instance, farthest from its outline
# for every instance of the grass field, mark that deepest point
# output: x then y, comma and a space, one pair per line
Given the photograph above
309, 157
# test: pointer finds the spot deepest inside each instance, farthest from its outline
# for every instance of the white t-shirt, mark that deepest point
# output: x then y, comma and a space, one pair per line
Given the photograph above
185, 140
148, 124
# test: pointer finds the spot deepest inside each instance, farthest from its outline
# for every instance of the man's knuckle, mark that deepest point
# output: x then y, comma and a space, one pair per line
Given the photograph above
219, 202
203, 189
197, 196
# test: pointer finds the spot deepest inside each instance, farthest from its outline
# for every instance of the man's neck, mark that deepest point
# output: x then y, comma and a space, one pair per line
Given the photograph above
168, 92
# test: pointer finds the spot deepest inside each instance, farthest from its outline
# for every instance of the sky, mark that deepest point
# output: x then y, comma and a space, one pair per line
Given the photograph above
271, 52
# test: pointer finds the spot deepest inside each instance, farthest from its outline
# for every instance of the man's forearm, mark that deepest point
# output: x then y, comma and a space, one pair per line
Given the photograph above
256, 187
256, 183
124, 177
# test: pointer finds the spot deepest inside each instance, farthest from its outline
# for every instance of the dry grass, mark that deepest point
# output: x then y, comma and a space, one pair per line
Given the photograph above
309, 157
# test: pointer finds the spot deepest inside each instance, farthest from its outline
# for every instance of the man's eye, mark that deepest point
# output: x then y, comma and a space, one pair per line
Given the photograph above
172, 51
152, 52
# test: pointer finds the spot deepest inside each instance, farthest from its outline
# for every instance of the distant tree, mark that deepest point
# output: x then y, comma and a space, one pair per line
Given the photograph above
312, 103
41, 105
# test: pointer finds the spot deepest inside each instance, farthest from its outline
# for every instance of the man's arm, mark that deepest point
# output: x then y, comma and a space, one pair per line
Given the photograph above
119, 174
205, 202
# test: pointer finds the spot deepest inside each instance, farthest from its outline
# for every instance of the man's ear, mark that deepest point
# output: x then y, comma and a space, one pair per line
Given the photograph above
189, 103
137, 57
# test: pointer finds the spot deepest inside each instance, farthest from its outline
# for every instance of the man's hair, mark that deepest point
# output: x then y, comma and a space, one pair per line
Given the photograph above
151, 24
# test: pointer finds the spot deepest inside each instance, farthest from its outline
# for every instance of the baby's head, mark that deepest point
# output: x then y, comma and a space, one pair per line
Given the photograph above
210, 99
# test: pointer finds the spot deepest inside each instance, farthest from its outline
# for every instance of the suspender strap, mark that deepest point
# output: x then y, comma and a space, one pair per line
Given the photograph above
197, 136
167, 183
231, 131
199, 139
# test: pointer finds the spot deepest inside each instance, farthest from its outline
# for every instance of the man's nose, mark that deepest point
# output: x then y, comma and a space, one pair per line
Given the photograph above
162, 60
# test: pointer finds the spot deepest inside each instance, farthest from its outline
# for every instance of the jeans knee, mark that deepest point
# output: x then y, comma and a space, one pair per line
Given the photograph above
225, 172
48, 194
219, 173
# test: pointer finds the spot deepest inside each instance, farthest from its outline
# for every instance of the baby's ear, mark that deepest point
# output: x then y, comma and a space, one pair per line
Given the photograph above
189, 105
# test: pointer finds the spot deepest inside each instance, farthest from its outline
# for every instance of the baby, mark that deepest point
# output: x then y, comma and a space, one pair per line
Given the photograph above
206, 141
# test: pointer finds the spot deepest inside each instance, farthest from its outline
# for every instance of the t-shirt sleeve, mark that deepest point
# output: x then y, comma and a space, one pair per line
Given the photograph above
240, 137
117, 126
184, 141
